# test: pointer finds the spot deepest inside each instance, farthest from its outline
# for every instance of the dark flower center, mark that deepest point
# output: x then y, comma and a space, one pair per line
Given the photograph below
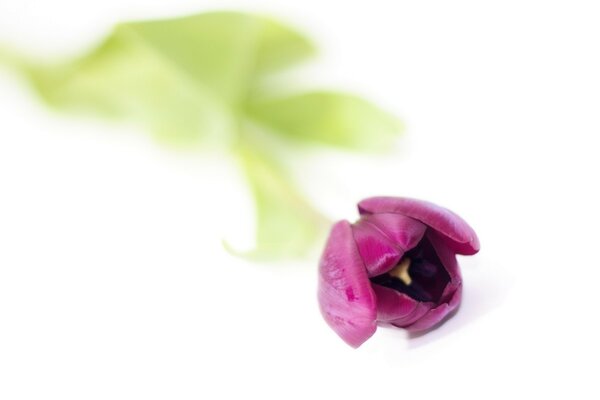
420, 274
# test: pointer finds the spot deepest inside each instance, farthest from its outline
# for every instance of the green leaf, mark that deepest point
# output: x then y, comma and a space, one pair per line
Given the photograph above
287, 224
335, 119
125, 79
183, 78
224, 51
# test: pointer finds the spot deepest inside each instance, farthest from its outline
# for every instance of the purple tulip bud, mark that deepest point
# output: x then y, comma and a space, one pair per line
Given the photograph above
395, 265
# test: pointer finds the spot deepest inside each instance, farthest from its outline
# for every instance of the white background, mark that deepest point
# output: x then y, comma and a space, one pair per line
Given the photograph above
113, 281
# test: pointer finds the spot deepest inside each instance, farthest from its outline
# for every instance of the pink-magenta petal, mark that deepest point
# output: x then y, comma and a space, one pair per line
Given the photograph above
403, 231
398, 308
420, 310
448, 260
378, 253
460, 237
346, 298
434, 316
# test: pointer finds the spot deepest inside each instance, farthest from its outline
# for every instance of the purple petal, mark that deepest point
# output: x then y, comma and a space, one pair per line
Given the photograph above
436, 315
403, 231
459, 235
448, 259
398, 308
346, 298
378, 253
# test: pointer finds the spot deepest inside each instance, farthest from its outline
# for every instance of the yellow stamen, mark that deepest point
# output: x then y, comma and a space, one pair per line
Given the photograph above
400, 271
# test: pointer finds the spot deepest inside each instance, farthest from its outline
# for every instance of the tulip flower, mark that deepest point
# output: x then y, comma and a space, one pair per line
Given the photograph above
396, 265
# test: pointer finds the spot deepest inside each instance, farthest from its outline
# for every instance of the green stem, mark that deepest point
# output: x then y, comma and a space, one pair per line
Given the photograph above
288, 225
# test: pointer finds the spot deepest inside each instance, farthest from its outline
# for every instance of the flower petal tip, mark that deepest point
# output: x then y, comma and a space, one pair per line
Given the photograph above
459, 235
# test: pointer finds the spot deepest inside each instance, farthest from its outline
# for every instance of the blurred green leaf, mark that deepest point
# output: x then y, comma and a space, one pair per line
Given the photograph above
330, 118
225, 51
204, 77
183, 78
123, 78
10, 58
